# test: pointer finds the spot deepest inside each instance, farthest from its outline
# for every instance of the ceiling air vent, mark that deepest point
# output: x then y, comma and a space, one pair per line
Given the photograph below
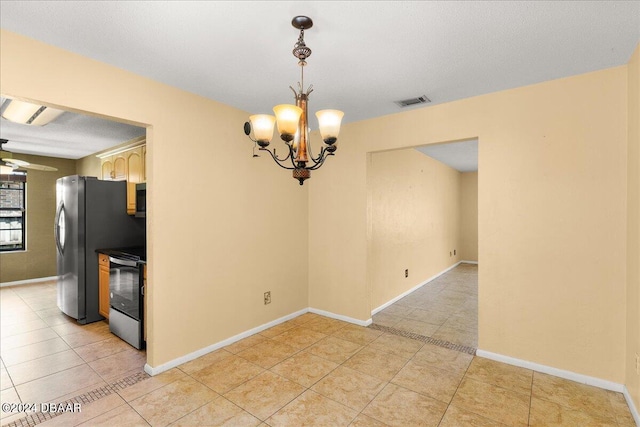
413, 101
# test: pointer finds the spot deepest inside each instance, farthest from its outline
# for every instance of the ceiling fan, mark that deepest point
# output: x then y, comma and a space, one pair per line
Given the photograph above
7, 160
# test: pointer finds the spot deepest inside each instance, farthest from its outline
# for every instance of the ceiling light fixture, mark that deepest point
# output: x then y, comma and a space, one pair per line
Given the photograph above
27, 113
293, 122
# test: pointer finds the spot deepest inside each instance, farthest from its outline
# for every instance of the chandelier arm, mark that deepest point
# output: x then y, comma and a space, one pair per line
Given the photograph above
317, 159
317, 165
282, 160
292, 156
321, 162
275, 158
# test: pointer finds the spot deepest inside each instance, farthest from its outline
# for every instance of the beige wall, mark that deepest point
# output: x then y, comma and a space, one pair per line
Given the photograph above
39, 260
223, 227
415, 214
551, 204
551, 217
89, 166
633, 228
469, 216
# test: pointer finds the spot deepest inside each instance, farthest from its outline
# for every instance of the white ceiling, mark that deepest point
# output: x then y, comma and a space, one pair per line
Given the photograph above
461, 155
366, 54
70, 136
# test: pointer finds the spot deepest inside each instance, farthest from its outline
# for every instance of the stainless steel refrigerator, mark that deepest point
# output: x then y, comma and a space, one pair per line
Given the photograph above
91, 214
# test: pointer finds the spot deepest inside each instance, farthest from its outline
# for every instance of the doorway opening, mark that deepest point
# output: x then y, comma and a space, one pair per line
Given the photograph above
40, 343
423, 244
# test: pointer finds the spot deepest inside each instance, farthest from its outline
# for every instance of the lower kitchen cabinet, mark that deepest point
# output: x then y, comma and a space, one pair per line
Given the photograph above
103, 285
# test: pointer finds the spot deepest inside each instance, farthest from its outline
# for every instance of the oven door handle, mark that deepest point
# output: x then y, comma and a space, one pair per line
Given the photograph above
125, 262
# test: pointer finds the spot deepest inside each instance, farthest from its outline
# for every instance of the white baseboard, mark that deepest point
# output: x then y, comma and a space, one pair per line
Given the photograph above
155, 370
415, 288
470, 262
580, 378
632, 406
341, 317
28, 281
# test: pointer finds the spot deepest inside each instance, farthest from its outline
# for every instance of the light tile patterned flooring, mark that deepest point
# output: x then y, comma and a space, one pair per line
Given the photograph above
313, 370
47, 356
443, 309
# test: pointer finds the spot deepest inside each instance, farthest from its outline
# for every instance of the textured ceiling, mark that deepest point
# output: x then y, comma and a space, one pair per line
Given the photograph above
70, 136
366, 55
461, 155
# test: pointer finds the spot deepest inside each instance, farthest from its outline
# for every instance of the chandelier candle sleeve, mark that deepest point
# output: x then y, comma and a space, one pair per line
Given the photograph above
292, 121
287, 117
329, 121
262, 128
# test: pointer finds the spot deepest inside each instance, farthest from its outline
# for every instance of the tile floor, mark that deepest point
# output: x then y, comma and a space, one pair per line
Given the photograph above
46, 356
443, 309
313, 370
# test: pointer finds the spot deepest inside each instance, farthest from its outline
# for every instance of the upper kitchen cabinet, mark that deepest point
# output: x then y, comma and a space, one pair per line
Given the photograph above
135, 175
126, 163
114, 168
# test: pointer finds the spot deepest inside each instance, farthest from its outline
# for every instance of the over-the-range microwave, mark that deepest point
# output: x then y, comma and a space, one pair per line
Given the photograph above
141, 200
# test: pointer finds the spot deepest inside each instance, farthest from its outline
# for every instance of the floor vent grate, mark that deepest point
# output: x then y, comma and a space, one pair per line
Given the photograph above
91, 396
429, 340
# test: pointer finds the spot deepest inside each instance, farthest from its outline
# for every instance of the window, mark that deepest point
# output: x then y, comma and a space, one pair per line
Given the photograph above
12, 211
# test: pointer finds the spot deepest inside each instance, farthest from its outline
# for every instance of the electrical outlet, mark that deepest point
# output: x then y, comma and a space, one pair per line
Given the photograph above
267, 297
637, 364
406, 272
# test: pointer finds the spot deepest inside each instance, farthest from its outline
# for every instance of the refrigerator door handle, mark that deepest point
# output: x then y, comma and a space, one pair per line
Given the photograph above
56, 227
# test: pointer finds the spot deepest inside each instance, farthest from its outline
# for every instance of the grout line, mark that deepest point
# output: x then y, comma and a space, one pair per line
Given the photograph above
86, 398
457, 388
387, 384
440, 343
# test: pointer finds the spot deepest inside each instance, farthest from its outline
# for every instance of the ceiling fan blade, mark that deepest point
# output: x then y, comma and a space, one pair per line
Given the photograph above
39, 167
16, 163
19, 163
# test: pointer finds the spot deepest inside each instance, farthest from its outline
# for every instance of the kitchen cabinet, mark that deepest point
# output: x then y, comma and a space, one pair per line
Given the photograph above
107, 169
103, 285
127, 164
135, 175
114, 168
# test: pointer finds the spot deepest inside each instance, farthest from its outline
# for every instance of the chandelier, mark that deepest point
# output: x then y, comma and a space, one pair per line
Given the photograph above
293, 124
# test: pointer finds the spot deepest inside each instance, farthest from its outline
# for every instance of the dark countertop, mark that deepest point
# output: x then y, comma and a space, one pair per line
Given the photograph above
138, 253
